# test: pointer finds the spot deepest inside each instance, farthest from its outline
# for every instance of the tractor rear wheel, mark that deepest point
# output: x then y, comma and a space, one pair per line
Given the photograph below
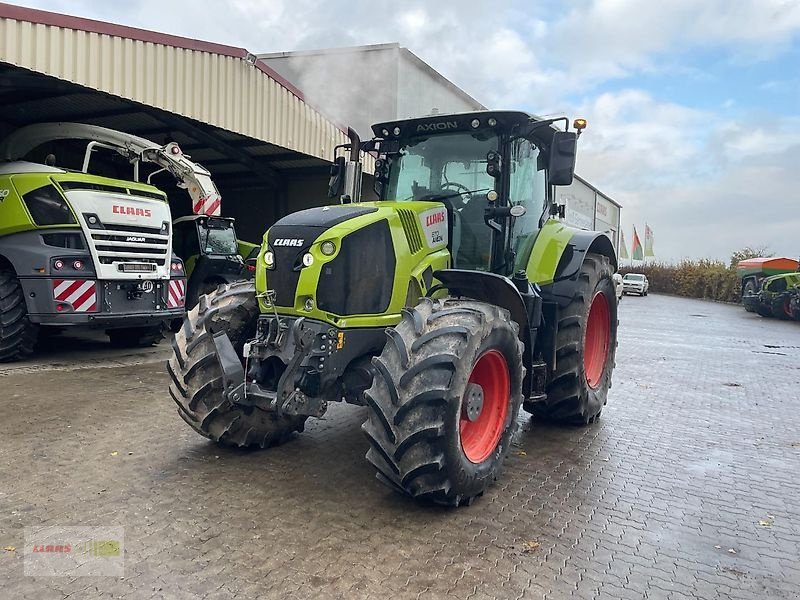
782, 307
196, 385
444, 400
137, 337
586, 345
17, 334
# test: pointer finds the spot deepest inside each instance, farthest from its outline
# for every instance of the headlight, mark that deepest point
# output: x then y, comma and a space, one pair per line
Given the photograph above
269, 258
308, 259
308, 305
328, 248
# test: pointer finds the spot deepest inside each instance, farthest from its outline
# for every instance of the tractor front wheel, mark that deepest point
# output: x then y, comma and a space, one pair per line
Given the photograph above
197, 386
444, 400
586, 344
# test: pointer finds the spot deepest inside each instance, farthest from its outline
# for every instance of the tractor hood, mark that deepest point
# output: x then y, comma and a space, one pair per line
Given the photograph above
341, 261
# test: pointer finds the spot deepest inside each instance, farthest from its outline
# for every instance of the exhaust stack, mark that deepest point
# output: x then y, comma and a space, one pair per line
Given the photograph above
352, 170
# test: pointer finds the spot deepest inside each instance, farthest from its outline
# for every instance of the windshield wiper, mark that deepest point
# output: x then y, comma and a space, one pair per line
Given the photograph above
436, 196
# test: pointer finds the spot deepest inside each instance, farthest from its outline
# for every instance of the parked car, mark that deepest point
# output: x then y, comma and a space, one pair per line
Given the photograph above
618, 285
635, 283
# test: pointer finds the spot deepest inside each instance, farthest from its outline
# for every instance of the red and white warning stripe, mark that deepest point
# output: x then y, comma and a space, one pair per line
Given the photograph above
208, 205
176, 293
80, 293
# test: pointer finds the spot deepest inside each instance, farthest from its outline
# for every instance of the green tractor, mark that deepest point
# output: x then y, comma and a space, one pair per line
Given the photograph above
210, 251
777, 297
446, 306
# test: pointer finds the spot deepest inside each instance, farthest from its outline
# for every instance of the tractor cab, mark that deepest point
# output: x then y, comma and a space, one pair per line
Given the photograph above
210, 251
493, 172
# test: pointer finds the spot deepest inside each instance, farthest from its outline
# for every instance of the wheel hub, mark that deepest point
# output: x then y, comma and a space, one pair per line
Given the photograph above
473, 402
484, 406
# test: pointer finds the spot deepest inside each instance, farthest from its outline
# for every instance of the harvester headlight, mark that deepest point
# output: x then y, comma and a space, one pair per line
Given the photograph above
308, 305
475, 123
492, 121
269, 258
385, 132
396, 131
328, 248
308, 259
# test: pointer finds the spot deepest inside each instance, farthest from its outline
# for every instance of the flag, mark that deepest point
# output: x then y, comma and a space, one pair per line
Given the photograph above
623, 248
636, 250
648, 241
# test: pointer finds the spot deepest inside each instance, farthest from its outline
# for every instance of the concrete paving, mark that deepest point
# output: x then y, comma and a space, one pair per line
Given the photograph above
687, 487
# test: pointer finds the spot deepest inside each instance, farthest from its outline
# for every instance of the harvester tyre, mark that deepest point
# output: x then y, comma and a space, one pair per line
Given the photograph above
18, 335
196, 377
444, 400
586, 345
137, 337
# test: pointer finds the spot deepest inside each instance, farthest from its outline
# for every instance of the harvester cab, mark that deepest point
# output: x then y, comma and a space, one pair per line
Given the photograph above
444, 307
210, 251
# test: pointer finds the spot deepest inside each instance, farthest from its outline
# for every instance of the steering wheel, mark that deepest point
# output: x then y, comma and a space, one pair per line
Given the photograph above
464, 193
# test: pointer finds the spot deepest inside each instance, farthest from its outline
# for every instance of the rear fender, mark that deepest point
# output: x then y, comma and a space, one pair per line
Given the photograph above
560, 288
559, 251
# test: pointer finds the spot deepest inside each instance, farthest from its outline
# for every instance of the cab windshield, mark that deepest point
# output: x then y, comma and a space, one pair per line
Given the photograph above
218, 241
444, 165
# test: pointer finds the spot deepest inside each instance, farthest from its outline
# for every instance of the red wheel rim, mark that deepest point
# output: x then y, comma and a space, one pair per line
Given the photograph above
598, 340
480, 437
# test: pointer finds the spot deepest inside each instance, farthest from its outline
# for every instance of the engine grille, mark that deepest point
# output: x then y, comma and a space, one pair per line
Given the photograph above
130, 244
284, 277
409, 221
359, 280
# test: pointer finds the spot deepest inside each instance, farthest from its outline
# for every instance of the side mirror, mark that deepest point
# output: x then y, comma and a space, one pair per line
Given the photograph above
336, 182
563, 152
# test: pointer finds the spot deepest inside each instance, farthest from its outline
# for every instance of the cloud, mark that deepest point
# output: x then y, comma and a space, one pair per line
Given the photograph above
707, 186
706, 182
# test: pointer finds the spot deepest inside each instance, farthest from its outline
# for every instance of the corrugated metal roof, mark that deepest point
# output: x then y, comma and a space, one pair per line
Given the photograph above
219, 85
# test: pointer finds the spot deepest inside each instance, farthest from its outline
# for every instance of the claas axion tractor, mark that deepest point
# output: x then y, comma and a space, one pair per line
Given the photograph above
444, 307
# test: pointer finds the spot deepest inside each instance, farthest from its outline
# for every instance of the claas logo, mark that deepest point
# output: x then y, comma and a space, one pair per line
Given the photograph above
119, 209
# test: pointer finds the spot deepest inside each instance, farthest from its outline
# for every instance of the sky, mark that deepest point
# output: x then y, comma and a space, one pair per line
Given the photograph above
693, 106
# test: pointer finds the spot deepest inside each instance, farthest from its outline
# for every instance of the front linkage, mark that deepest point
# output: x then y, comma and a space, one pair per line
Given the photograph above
295, 365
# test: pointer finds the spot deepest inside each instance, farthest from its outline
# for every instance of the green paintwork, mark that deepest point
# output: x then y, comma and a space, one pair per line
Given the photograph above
545, 255
791, 280
409, 267
551, 241
14, 216
245, 248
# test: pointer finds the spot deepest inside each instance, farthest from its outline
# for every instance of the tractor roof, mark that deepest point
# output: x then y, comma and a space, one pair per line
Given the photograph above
455, 122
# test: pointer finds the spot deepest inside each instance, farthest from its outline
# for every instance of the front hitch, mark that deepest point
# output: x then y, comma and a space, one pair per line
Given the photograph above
287, 399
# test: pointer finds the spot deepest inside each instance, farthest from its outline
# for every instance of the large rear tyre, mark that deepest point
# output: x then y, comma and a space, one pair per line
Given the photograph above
782, 307
444, 400
137, 337
17, 334
196, 385
586, 345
